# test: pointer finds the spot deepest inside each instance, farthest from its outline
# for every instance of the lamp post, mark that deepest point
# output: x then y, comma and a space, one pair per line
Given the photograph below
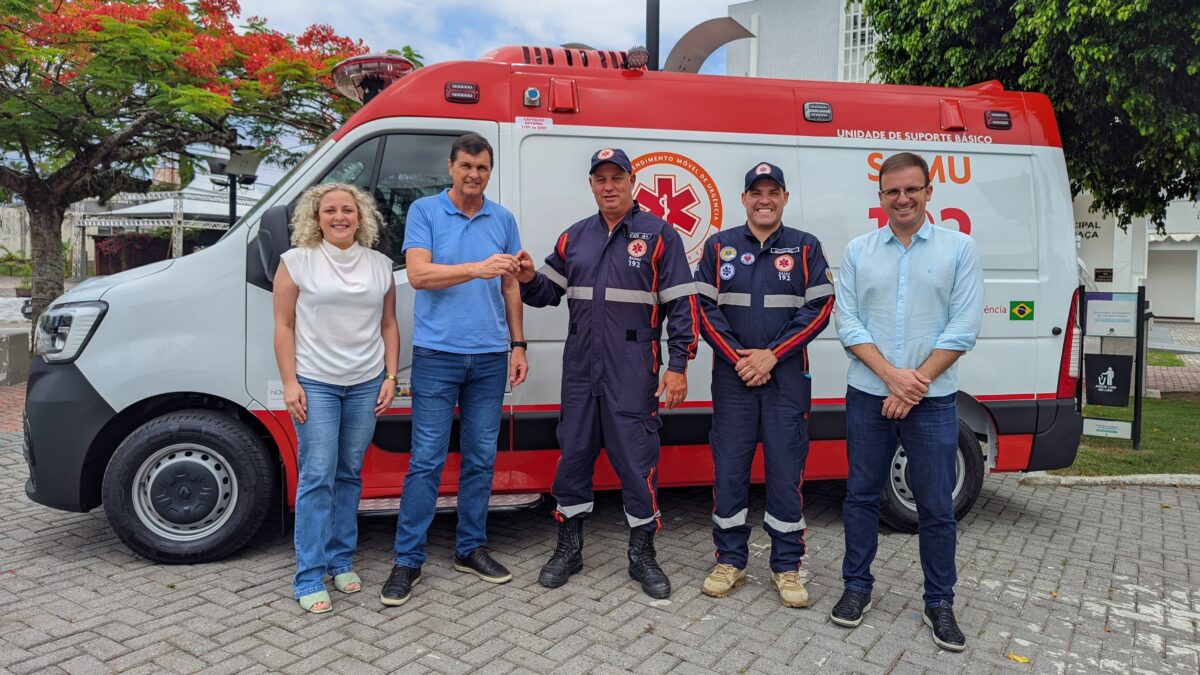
239, 168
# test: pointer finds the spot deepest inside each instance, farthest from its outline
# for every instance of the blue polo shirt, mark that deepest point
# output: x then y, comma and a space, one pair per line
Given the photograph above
467, 318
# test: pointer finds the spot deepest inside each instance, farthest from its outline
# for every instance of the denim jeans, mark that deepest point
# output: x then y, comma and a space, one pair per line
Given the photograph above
333, 439
475, 382
929, 435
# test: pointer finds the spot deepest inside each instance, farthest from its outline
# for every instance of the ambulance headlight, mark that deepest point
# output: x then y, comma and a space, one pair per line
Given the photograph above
64, 330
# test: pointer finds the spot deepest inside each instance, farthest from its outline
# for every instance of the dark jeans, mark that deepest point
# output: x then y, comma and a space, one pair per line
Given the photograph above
929, 435
441, 380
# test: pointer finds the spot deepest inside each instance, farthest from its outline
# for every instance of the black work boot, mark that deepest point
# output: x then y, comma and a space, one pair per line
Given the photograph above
568, 554
644, 568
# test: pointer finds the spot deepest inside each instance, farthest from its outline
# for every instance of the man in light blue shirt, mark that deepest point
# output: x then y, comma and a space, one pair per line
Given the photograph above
461, 252
909, 304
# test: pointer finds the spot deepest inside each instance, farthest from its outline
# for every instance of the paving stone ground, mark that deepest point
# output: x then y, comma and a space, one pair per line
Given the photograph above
1076, 580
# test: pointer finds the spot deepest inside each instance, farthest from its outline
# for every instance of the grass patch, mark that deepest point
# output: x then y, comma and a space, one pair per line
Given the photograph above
1157, 357
1170, 440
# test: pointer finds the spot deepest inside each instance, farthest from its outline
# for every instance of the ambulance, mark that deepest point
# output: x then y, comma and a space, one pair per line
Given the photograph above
155, 392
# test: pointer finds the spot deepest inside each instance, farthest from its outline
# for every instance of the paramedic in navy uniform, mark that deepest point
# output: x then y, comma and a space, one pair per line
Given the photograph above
461, 250
909, 304
765, 292
623, 271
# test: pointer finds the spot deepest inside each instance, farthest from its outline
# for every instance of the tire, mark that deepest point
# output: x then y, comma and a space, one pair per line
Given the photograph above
896, 505
189, 487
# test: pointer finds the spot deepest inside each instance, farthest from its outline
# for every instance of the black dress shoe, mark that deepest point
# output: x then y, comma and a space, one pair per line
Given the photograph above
482, 565
945, 629
850, 608
398, 587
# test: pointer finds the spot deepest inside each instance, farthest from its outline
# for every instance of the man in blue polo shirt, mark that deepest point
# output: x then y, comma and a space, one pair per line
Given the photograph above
460, 249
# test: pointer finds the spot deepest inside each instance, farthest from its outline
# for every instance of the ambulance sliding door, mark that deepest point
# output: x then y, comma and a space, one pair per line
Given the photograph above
983, 190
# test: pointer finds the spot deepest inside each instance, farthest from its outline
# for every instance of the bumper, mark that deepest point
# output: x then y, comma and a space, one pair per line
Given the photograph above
1056, 442
63, 415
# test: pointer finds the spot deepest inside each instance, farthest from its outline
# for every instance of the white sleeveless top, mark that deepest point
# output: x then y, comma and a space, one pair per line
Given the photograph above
339, 311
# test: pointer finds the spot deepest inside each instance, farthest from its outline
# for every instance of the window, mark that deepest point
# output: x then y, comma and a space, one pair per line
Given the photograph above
858, 40
411, 167
355, 168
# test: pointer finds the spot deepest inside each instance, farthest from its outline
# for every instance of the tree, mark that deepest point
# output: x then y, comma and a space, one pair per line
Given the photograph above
94, 92
1123, 75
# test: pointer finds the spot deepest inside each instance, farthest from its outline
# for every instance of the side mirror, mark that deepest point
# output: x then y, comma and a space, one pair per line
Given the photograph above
272, 241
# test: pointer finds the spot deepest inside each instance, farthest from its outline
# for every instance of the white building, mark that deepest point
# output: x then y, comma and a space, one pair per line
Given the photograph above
831, 40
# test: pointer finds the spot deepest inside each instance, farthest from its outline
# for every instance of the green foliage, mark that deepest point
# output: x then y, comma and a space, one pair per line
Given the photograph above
1170, 442
1122, 75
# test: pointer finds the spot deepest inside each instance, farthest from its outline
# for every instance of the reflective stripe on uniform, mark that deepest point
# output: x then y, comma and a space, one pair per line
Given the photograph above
553, 275
579, 293
707, 290
736, 520
638, 522
780, 526
676, 292
575, 509
790, 300
625, 295
738, 299
818, 292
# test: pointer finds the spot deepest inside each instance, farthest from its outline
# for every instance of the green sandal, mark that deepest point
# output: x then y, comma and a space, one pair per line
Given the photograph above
343, 581
307, 602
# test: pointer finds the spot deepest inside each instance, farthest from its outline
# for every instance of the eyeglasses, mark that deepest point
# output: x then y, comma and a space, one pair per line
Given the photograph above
910, 192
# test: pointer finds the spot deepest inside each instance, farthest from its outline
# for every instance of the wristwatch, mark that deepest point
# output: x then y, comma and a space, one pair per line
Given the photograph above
390, 377
518, 343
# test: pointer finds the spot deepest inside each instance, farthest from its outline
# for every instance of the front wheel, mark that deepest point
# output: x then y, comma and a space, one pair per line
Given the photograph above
188, 487
898, 507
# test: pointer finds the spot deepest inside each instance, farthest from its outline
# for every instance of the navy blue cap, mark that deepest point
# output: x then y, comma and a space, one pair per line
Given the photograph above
614, 155
764, 170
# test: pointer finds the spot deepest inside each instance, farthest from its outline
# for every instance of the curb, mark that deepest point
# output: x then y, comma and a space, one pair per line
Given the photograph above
1176, 480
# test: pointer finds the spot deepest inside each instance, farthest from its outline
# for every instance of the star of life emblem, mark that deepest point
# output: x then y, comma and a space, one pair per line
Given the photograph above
637, 248
762, 168
604, 154
785, 263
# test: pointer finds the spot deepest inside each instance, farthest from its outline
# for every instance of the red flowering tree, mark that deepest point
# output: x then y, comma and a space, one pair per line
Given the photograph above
94, 92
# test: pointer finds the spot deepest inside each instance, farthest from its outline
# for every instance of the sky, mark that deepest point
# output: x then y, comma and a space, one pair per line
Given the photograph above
450, 30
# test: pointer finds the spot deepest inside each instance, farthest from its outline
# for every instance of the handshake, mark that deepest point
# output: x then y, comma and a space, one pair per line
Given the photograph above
519, 266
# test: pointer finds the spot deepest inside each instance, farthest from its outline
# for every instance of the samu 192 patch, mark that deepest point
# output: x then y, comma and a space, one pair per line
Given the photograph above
1020, 310
728, 253
727, 271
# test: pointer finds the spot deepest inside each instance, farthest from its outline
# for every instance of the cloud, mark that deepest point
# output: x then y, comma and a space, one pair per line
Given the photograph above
444, 30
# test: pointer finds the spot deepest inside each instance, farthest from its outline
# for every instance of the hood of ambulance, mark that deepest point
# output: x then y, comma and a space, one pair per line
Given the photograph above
95, 287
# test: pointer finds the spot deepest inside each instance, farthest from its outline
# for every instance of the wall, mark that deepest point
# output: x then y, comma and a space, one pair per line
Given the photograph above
796, 40
1171, 287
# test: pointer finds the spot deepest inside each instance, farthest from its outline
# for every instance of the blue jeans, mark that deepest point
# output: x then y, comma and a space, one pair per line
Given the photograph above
475, 382
929, 435
333, 440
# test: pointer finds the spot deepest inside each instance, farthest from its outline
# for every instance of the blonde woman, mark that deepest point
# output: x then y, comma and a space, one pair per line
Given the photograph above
337, 346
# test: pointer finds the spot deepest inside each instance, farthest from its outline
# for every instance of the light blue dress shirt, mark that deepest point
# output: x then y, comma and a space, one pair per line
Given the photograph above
909, 302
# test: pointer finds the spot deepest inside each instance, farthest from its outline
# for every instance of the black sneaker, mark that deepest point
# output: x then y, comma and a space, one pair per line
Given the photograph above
850, 608
945, 629
399, 585
482, 565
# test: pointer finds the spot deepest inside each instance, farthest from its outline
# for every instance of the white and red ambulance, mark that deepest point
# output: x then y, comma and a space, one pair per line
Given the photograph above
156, 393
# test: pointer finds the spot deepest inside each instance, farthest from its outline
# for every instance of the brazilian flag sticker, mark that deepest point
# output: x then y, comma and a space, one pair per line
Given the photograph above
1020, 310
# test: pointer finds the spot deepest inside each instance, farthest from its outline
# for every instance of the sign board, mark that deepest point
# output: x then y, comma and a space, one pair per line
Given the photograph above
1107, 428
1107, 378
1112, 314
1103, 275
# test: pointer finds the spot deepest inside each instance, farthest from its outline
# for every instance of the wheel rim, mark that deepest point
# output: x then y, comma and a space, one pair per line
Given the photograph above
184, 492
898, 479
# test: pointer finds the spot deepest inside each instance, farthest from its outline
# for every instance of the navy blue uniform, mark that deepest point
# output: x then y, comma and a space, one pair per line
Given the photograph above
620, 285
775, 295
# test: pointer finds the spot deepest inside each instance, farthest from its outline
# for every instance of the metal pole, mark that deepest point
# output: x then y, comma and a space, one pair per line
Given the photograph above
652, 33
232, 199
1139, 367
1081, 317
